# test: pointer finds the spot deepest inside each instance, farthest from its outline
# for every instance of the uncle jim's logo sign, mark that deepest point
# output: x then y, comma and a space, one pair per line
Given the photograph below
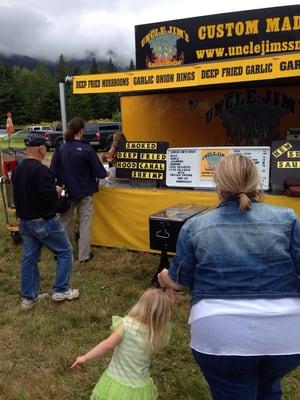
209, 160
242, 34
252, 117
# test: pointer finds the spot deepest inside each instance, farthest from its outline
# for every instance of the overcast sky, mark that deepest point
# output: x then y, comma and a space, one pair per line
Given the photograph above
77, 28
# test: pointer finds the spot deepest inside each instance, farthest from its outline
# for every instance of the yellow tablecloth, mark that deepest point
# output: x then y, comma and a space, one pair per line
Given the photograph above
121, 215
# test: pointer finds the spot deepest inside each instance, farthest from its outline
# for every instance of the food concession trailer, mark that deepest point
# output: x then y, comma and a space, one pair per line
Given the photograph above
220, 81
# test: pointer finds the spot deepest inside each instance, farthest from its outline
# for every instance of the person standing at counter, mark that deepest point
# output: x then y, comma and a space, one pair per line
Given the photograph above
242, 264
111, 156
75, 165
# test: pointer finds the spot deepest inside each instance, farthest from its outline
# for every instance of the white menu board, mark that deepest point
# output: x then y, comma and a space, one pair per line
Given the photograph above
194, 166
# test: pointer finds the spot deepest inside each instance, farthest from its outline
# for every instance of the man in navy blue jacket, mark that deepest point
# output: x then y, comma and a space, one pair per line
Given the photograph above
76, 166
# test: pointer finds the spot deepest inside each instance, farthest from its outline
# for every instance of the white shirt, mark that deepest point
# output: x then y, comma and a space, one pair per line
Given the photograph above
246, 327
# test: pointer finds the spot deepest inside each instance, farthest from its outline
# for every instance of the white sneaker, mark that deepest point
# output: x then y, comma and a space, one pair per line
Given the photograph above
70, 294
27, 304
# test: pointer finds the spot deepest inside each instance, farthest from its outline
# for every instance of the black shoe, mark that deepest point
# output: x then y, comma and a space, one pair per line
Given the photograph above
92, 255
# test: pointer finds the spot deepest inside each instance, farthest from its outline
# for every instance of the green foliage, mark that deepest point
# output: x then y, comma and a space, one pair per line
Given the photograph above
94, 69
116, 116
111, 66
79, 106
6, 99
61, 69
33, 95
131, 65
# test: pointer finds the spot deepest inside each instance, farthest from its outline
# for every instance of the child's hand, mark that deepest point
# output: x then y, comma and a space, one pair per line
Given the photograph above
170, 293
79, 362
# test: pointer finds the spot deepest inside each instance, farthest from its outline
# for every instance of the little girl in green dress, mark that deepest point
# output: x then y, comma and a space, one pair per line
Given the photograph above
144, 330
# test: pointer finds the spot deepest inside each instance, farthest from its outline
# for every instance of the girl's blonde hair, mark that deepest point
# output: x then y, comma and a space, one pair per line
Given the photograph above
154, 311
236, 176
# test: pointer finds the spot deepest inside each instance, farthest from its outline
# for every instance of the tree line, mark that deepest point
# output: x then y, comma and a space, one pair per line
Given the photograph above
33, 95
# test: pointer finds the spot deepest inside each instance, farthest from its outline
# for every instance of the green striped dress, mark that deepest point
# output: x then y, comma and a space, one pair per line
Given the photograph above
127, 376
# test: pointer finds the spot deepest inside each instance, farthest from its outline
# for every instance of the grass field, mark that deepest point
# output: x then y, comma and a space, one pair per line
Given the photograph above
38, 346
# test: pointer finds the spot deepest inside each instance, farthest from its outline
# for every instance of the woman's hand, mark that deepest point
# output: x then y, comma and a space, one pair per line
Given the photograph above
58, 189
165, 280
79, 362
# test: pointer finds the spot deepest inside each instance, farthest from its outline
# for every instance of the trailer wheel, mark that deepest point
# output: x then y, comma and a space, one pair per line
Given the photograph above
16, 237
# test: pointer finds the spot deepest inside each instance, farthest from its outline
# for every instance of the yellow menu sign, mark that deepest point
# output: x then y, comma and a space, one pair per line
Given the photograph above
229, 71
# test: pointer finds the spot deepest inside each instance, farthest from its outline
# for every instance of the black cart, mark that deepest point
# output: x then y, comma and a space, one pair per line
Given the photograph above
164, 227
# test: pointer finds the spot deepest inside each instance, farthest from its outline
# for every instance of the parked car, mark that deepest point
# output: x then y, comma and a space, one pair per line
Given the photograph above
99, 135
106, 131
3, 132
46, 136
40, 128
17, 139
55, 138
23, 132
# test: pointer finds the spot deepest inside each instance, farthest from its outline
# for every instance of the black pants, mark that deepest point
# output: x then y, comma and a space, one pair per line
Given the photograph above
245, 378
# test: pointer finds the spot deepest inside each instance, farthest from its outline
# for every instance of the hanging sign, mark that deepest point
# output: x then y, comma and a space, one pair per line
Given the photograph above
254, 33
285, 162
142, 160
194, 166
231, 71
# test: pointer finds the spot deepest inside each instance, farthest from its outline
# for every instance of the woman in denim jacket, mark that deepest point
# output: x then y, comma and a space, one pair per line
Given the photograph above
241, 262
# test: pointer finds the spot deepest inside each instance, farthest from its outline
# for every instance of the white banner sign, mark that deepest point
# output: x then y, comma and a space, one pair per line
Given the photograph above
194, 166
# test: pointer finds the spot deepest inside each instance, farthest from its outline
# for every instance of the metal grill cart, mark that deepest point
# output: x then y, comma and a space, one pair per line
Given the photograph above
9, 160
164, 227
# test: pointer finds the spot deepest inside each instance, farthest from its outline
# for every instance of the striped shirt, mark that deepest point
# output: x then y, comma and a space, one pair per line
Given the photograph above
130, 362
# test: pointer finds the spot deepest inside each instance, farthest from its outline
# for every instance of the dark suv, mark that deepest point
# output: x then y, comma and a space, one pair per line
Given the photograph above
55, 138
19, 136
105, 130
99, 135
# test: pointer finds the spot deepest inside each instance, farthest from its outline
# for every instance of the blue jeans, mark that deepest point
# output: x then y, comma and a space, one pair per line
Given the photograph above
245, 378
50, 233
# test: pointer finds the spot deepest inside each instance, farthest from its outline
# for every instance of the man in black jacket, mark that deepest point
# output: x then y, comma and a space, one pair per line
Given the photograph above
35, 197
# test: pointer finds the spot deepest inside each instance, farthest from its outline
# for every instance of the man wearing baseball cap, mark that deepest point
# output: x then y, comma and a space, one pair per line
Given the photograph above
35, 197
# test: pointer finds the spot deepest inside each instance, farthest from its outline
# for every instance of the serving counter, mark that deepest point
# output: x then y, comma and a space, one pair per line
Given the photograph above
121, 214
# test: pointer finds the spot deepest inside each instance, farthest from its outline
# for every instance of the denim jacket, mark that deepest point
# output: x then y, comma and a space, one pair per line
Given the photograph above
228, 254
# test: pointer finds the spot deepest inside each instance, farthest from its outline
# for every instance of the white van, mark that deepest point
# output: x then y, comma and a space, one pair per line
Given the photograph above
40, 128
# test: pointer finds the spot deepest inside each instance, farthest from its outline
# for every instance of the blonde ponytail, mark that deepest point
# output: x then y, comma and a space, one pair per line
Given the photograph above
244, 201
237, 177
